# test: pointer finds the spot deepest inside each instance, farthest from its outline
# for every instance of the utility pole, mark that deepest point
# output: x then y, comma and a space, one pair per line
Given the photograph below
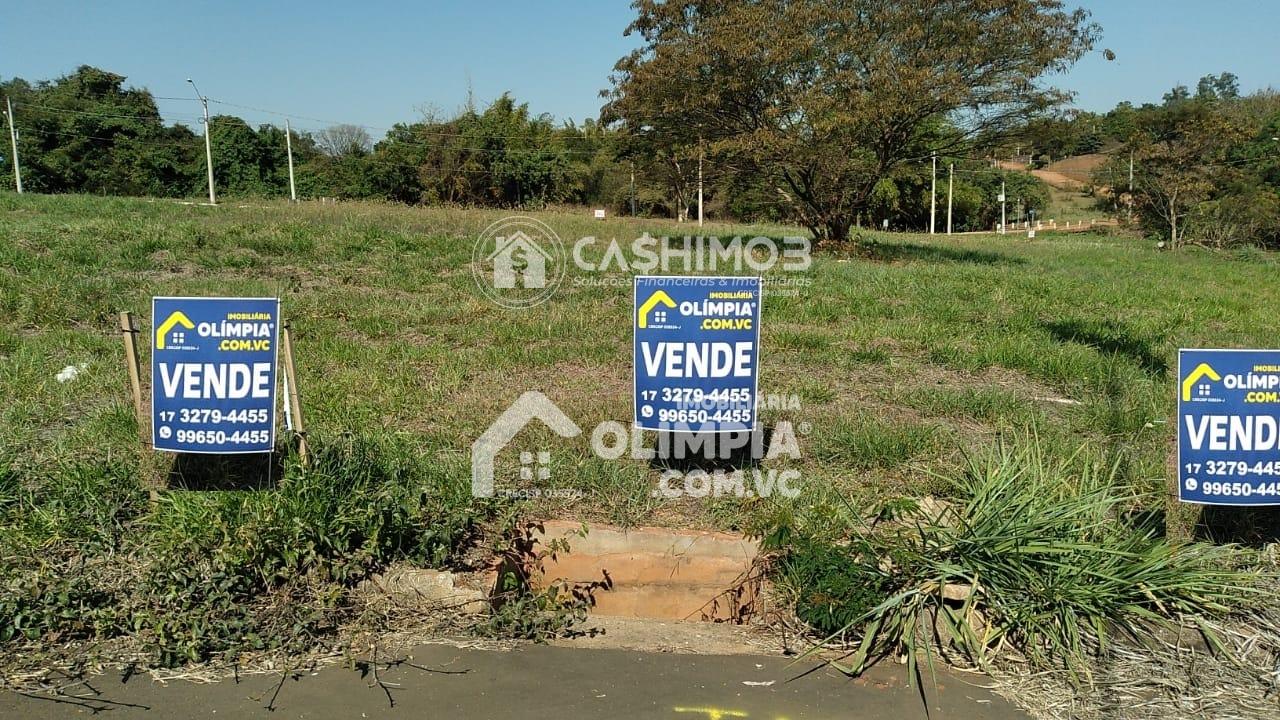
13, 141
933, 194
633, 189
1130, 186
288, 147
700, 155
951, 183
1002, 219
208, 149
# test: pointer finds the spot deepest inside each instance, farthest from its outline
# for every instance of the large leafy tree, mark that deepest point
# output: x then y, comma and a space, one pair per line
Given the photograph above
824, 98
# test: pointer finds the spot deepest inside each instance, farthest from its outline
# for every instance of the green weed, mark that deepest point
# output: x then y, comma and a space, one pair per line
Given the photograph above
1044, 554
204, 573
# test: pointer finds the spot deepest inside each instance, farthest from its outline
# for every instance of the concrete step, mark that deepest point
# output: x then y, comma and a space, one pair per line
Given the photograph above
656, 573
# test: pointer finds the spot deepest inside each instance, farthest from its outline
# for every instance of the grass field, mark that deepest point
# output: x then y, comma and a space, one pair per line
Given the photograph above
907, 354
1073, 206
903, 352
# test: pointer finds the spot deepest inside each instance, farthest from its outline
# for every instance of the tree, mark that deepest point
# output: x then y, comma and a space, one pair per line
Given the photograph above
1180, 158
1218, 87
823, 99
343, 140
86, 132
238, 158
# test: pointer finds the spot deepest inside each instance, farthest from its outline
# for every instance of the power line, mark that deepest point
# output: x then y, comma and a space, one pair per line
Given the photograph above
411, 129
374, 128
70, 111
115, 138
193, 145
403, 141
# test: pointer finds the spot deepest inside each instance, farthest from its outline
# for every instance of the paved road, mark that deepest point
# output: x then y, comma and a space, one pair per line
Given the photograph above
535, 682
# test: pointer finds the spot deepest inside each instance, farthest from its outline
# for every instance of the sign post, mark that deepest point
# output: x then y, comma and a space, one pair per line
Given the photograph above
1229, 427
696, 353
129, 332
213, 374
291, 390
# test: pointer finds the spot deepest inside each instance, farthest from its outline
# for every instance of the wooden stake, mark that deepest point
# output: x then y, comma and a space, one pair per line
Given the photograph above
129, 332
295, 405
1180, 519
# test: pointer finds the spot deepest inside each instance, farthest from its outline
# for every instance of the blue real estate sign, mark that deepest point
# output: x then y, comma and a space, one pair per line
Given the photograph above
696, 354
1229, 427
213, 374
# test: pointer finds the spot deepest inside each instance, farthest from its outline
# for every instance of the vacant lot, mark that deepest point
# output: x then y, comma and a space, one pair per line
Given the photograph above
903, 351
896, 358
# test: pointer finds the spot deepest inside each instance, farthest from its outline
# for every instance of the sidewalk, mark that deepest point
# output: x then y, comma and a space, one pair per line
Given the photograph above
441, 681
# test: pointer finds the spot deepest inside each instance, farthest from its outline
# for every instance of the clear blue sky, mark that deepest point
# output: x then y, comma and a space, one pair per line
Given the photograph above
374, 63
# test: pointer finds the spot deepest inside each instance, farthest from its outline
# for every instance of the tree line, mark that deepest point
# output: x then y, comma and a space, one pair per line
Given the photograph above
824, 114
87, 132
1205, 163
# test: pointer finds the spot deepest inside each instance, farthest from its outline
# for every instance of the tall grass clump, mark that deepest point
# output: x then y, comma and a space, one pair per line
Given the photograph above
1046, 557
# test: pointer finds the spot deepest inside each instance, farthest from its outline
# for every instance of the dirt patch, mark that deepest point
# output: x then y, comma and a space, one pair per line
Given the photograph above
1058, 180
1077, 168
667, 636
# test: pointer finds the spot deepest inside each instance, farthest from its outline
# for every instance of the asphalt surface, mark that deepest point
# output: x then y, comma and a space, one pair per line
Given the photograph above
440, 681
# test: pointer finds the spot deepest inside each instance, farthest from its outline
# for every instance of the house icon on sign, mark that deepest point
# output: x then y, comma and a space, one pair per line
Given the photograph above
519, 254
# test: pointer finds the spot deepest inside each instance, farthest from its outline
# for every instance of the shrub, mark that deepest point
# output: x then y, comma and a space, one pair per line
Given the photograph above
218, 572
835, 586
1053, 558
